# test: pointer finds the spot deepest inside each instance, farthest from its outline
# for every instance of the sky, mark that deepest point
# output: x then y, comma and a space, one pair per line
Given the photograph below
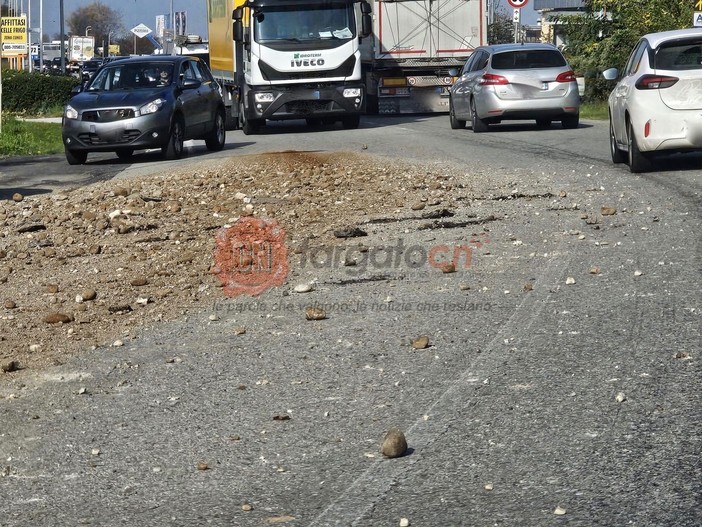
135, 12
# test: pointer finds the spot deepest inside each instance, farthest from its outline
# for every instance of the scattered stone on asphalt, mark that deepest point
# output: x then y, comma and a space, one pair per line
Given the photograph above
203, 466
89, 294
595, 270
448, 267
570, 280
280, 519
608, 211
9, 366
559, 511
282, 417
350, 232
489, 486
421, 342
638, 273
621, 397
315, 313
404, 522
394, 444
9, 304
303, 288
17, 197
58, 318
246, 507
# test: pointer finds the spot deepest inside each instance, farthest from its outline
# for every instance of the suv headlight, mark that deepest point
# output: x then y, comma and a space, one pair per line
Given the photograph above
70, 112
151, 107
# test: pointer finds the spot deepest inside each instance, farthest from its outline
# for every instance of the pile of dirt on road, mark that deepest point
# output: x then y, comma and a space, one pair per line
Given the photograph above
90, 266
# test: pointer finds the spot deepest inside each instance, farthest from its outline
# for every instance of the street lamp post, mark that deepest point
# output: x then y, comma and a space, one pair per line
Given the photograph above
88, 29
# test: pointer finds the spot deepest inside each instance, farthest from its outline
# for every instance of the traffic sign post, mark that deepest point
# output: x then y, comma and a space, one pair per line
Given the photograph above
139, 31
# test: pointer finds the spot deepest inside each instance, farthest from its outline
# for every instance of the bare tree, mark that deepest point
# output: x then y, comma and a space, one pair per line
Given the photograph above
98, 20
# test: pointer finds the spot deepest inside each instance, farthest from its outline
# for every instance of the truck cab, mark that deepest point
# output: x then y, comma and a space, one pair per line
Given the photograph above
299, 60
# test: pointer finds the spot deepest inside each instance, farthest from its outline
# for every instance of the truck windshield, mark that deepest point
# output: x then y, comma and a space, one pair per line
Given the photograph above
290, 23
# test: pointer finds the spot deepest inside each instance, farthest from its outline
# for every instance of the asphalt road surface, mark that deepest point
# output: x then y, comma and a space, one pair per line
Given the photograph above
562, 384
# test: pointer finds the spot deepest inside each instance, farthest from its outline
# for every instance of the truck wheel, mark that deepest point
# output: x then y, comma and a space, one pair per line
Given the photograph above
350, 123
215, 139
75, 157
249, 127
174, 148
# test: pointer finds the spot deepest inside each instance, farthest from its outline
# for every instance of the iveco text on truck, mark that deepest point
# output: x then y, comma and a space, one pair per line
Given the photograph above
289, 59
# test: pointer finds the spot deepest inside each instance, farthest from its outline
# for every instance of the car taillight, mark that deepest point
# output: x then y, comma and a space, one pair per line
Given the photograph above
490, 79
566, 76
655, 82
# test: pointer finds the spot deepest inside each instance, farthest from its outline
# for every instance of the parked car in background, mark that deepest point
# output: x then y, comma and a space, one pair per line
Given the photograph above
514, 81
144, 102
656, 106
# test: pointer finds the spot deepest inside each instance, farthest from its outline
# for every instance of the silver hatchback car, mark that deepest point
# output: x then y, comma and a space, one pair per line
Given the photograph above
657, 103
515, 82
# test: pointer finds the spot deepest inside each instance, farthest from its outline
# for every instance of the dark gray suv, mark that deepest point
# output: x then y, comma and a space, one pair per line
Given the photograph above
144, 102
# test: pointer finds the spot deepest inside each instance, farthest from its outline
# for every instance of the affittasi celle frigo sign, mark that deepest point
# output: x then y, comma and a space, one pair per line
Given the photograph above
13, 34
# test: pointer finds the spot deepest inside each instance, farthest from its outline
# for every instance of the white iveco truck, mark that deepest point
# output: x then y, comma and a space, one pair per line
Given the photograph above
289, 59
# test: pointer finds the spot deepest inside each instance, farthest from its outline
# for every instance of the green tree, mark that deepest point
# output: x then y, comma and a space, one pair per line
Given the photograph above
606, 34
104, 24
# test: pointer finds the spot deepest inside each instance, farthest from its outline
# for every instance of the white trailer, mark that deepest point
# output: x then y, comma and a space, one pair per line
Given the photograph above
414, 45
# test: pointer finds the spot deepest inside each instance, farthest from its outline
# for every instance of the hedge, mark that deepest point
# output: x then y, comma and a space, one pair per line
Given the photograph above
35, 93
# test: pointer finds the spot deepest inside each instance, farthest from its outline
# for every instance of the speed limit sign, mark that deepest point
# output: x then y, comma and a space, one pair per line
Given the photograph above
517, 4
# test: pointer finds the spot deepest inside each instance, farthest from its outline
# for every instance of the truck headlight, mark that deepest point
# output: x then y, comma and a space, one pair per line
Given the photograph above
70, 112
352, 92
264, 97
151, 107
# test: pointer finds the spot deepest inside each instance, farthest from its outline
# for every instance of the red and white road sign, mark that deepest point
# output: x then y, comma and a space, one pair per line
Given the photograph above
517, 4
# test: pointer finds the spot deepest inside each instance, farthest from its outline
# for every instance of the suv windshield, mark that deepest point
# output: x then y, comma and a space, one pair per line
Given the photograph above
528, 59
132, 76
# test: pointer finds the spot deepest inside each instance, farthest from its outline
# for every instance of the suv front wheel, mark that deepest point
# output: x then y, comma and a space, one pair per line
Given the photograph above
174, 148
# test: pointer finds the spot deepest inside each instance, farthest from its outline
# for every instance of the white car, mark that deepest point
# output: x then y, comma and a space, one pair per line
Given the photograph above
656, 104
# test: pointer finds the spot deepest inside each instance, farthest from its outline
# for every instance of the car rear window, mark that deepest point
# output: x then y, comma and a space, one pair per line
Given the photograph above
679, 55
528, 59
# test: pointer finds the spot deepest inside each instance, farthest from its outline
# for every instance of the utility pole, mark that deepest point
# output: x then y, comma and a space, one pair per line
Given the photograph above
41, 36
63, 38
